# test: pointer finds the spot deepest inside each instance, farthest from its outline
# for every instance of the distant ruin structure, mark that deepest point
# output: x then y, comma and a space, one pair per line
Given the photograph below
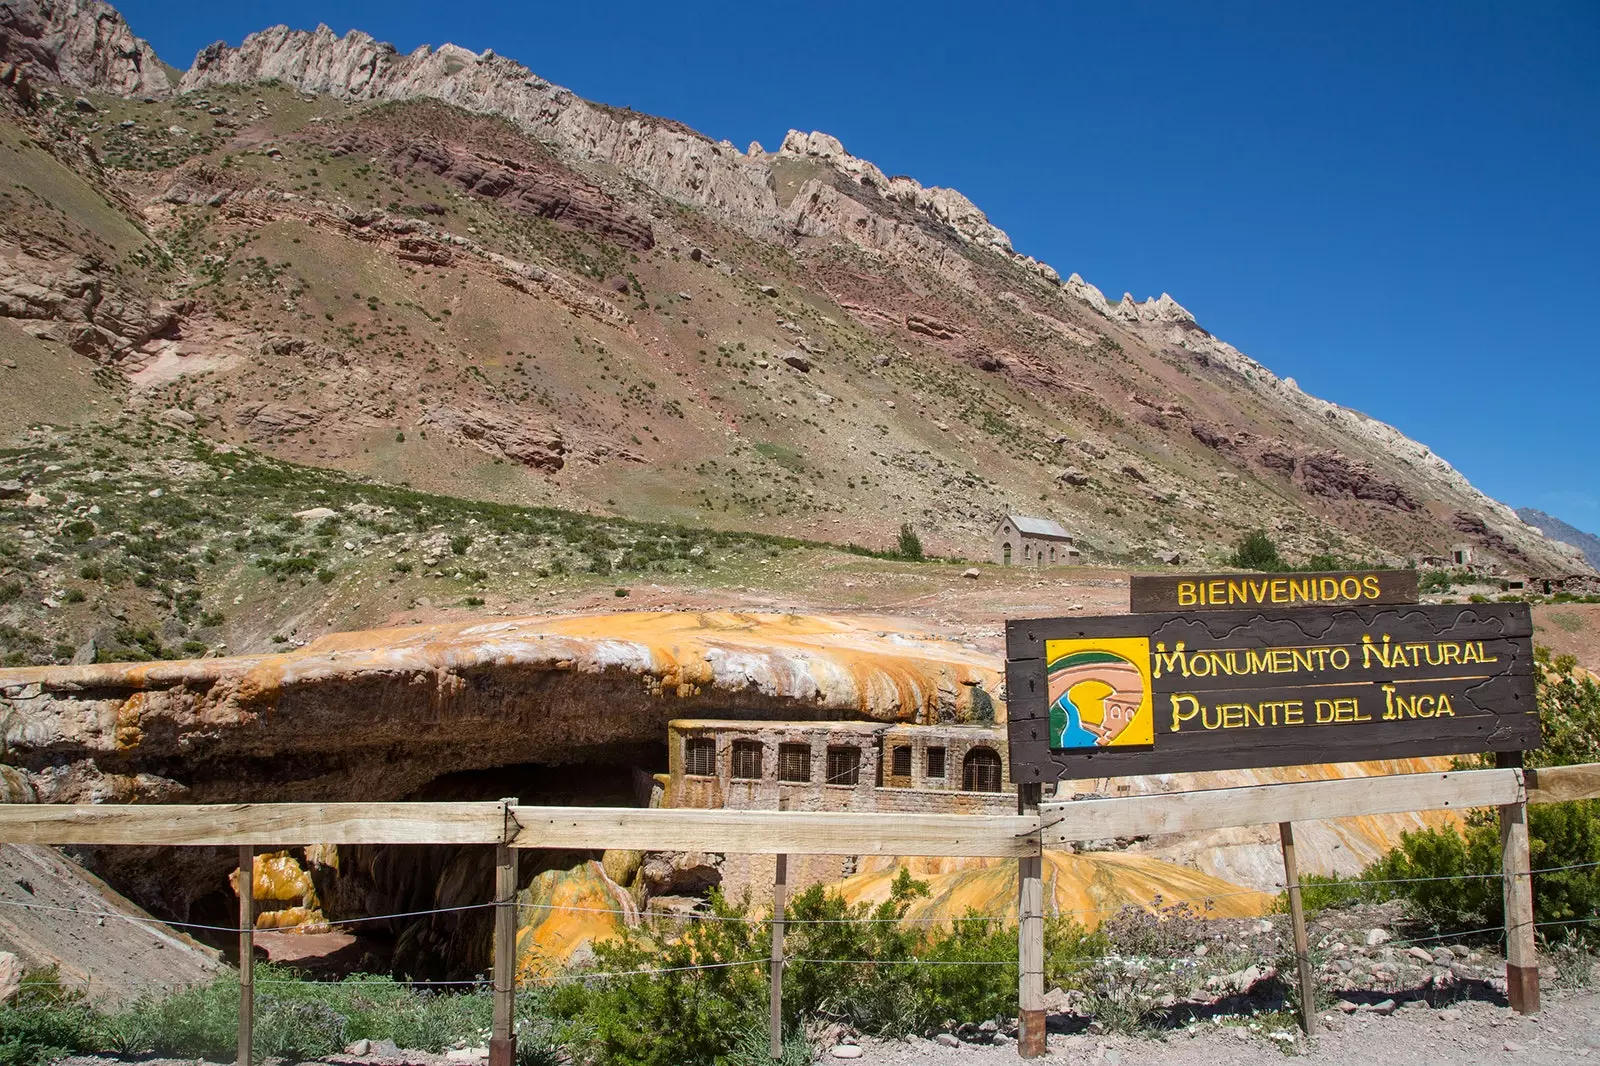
1020, 540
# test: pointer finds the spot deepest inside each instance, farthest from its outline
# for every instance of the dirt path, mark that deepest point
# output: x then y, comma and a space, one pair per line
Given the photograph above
1566, 1031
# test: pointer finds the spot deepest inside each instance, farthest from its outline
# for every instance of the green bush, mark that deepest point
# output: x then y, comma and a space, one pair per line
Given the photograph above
855, 963
44, 1022
1257, 551
1462, 889
910, 546
1434, 581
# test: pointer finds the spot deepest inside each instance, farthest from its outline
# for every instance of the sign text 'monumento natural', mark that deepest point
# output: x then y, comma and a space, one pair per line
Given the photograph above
1212, 689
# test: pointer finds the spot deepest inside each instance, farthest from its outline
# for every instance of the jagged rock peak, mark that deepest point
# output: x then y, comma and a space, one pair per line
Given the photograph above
665, 155
946, 205
84, 44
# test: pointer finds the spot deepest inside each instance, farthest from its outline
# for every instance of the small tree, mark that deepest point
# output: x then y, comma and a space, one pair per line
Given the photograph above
1256, 552
910, 543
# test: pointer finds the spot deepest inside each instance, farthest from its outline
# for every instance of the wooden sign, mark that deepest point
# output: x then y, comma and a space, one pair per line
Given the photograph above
1216, 690
1232, 592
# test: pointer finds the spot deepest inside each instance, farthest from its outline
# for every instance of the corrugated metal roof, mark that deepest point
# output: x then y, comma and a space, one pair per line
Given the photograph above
1038, 527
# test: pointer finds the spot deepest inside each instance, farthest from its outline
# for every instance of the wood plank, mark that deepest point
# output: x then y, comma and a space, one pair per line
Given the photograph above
1516, 885
1221, 592
776, 832
247, 955
1297, 921
1562, 784
1309, 801
1025, 638
257, 824
1033, 760
1222, 689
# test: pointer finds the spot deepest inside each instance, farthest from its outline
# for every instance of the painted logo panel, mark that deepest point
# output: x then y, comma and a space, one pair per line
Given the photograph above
1100, 693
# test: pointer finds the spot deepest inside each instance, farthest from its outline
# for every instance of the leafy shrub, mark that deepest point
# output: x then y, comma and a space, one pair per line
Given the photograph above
1434, 581
910, 545
1462, 890
1257, 551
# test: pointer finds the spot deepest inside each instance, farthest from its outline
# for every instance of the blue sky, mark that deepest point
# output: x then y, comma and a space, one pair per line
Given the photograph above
1394, 204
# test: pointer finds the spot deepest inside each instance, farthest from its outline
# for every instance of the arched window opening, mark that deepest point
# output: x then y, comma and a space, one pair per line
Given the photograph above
980, 771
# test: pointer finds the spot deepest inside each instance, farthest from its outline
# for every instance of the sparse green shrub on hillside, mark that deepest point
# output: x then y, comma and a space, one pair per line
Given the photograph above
1257, 551
910, 544
1434, 581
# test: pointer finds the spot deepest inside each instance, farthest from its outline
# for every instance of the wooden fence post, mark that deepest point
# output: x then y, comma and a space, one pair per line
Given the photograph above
502, 1036
1522, 961
1031, 1041
1297, 918
247, 958
780, 886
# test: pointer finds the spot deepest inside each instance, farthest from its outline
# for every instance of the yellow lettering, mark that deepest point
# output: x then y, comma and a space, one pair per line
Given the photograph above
1181, 714
1389, 712
1280, 590
1173, 661
1324, 711
1370, 585
1233, 715
1237, 592
1258, 591
1328, 588
1217, 591
1294, 713
1186, 594
1444, 706
1350, 588
1300, 590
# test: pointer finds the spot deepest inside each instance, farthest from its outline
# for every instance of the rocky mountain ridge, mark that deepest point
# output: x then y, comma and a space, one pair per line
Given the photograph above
904, 290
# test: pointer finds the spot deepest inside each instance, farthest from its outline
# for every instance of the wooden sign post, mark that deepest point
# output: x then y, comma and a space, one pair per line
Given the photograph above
1255, 670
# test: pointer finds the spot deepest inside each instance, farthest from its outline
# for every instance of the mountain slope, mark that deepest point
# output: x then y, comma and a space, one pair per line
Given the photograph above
439, 268
1557, 530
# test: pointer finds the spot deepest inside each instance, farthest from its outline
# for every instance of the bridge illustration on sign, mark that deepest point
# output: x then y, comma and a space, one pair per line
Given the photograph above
1100, 693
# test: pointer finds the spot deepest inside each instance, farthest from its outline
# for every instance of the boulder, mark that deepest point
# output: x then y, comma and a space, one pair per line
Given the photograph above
10, 976
799, 362
1072, 476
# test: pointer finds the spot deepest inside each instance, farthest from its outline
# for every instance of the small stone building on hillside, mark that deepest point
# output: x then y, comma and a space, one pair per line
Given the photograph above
1023, 541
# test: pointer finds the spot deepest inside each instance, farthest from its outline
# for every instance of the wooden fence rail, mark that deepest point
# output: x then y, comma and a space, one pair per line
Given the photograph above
510, 826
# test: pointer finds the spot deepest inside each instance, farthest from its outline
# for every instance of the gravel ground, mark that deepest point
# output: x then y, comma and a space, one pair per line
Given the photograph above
1566, 1031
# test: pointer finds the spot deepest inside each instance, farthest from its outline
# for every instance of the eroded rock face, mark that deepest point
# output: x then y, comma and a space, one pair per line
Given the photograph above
539, 447
381, 713
1324, 473
67, 299
666, 155
84, 44
522, 185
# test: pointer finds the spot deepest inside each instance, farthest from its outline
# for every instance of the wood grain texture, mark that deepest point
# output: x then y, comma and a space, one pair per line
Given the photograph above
1309, 801
776, 832
255, 824
1198, 592
1562, 784
1493, 701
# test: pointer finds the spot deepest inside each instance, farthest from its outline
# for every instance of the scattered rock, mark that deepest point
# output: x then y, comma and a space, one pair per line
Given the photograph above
799, 362
845, 1051
10, 490
36, 499
1134, 473
970, 572
1450, 1014
177, 416
316, 514
768, 290
10, 975
360, 1047
1376, 937
946, 1040
1422, 955
1072, 476
1512, 1046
